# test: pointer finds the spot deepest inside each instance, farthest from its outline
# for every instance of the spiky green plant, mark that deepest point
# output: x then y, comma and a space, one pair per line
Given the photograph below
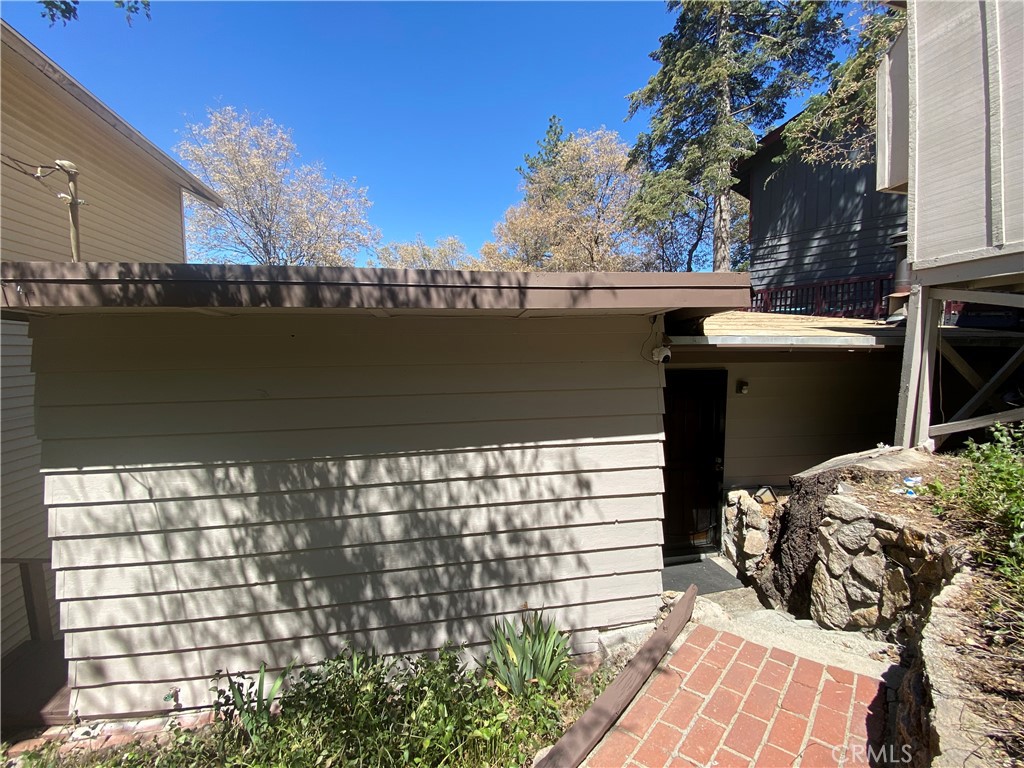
536, 654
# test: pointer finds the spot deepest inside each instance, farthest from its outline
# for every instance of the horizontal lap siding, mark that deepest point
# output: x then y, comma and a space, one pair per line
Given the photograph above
258, 489
133, 209
15, 630
21, 485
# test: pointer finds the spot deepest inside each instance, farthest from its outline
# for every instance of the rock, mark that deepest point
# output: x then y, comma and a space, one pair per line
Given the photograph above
707, 612
734, 497
914, 540
542, 753
845, 508
895, 593
839, 561
729, 548
730, 515
886, 537
828, 600
865, 617
842, 488
669, 596
755, 544
874, 545
871, 569
859, 592
853, 537
930, 571
753, 516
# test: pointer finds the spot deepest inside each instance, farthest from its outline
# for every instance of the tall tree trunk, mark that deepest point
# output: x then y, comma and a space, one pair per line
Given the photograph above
722, 242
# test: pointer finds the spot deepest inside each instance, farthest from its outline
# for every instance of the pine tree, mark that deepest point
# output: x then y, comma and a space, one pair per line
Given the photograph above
727, 69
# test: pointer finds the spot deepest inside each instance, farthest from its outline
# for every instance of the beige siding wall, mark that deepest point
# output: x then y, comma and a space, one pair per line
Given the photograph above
134, 209
967, 138
21, 486
133, 213
223, 491
13, 616
800, 409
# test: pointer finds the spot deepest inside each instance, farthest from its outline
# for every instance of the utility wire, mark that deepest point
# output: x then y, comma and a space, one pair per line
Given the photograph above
20, 166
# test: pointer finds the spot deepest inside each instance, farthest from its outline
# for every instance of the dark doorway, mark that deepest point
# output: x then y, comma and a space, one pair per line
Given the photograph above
694, 457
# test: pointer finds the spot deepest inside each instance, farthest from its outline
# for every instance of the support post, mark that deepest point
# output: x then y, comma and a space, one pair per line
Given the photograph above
930, 312
911, 371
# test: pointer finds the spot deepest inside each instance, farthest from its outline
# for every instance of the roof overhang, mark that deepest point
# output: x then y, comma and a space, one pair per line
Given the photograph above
44, 288
34, 57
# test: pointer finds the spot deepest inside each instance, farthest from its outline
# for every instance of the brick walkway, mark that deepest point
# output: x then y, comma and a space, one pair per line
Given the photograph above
723, 701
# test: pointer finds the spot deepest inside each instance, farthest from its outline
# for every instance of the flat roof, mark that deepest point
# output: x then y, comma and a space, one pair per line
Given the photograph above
763, 330
50, 288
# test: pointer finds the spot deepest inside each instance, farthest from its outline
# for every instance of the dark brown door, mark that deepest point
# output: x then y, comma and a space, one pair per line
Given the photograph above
694, 452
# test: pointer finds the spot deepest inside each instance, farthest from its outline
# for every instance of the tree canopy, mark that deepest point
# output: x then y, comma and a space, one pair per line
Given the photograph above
67, 10
573, 213
726, 71
277, 211
837, 127
446, 253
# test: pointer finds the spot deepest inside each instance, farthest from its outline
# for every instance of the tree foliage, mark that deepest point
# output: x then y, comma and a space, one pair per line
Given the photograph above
446, 253
726, 70
67, 10
277, 211
838, 126
573, 213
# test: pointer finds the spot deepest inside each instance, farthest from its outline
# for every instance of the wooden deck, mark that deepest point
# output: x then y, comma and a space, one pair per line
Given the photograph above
33, 687
768, 330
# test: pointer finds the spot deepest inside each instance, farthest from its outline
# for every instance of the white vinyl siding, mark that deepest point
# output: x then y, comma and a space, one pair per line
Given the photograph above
224, 491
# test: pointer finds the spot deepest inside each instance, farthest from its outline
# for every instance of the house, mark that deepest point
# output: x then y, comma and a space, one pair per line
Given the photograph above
133, 212
951, 135
820, 236
265, 463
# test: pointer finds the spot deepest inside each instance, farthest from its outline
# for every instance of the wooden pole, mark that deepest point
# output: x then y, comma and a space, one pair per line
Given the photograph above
911, 372
73, 204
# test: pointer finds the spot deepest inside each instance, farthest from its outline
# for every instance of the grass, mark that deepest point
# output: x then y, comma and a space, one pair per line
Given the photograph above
367, 711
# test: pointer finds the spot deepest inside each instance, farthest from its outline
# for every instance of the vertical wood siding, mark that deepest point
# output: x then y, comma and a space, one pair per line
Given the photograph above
800, 411
223, 491
968, 130
812, 224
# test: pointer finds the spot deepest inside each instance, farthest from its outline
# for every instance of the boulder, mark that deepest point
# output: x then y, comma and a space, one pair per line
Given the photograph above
871, 569
828, 600
846, 509
859, 592
895, 593
853, 537
755, 543
865, 617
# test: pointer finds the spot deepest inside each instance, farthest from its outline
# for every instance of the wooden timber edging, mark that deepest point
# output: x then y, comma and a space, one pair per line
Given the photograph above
585, 733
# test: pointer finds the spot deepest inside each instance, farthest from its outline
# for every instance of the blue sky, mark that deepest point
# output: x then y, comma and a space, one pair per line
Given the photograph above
429, 105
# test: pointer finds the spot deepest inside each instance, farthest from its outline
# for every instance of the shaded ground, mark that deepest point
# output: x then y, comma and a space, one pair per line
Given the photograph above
707, 574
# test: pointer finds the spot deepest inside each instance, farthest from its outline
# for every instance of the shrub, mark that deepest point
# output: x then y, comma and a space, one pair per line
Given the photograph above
538, 654
991, 493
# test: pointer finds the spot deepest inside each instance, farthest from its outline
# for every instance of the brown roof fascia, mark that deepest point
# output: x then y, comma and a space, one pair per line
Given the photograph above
54, 288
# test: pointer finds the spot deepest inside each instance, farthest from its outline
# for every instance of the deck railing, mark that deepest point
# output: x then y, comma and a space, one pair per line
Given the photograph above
863, 297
